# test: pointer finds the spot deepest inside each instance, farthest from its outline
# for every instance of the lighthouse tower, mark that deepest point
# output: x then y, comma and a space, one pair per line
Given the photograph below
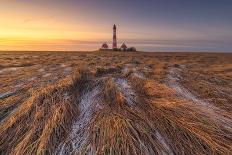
114, 38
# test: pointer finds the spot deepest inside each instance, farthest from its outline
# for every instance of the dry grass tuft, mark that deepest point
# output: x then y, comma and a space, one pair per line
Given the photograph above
111, 70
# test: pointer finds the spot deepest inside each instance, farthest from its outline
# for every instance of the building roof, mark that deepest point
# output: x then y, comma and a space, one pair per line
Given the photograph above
123, 45
105, 46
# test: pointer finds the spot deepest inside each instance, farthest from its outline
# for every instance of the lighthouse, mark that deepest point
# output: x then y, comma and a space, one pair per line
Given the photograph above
105, 47
114, 38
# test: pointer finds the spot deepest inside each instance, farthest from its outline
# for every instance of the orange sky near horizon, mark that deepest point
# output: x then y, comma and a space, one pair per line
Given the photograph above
26, 26
69, 25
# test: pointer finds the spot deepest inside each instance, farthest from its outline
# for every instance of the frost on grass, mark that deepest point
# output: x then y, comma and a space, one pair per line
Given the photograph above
165, 145
125, 88
8, 114
32, 78
174, 78
173, 82
7, 94
10, 69
67, 70
139, 75
78, 137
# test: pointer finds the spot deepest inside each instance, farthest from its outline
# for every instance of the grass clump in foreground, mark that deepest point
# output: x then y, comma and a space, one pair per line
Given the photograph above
42, 122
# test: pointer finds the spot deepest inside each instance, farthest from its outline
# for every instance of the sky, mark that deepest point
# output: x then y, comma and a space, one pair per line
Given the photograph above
151, 25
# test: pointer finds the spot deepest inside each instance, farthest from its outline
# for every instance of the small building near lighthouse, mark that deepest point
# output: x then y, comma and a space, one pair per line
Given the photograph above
123, 47
104, 46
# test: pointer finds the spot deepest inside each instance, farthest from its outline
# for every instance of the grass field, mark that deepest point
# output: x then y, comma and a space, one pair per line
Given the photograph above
115, 103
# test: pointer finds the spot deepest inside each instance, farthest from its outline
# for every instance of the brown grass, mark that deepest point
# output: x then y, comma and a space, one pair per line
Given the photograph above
133, 110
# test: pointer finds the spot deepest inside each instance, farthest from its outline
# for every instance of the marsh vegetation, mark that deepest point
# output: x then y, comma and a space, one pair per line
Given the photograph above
115, 103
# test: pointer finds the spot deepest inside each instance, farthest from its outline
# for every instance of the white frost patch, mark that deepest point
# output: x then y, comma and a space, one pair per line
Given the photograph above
8, 115
32, 79
6, 94
24, 57
125, 70
214, 112
19, 85
139, 75
68, 69
135, 73
10, 69
164, 144
47, 75
173, 82
78, 136
126, 89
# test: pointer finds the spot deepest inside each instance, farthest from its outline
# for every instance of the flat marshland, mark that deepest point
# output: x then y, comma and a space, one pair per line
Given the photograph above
115, 103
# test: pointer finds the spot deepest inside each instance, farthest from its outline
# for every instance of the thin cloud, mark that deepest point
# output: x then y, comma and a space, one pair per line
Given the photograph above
29, 20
